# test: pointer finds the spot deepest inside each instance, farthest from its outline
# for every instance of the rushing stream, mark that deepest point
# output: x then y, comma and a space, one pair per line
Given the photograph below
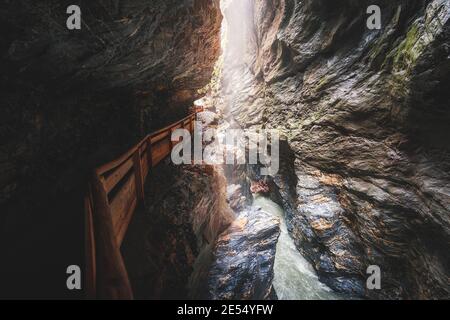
294, 277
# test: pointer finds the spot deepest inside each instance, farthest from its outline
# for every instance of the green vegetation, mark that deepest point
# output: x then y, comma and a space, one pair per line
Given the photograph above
406, 54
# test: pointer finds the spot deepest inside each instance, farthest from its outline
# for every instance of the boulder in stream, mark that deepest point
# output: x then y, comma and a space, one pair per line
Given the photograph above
244, 257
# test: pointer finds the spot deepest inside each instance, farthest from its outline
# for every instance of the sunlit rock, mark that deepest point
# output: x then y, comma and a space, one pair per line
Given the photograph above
244, 257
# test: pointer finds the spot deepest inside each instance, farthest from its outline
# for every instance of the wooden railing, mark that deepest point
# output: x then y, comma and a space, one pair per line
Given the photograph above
113, 194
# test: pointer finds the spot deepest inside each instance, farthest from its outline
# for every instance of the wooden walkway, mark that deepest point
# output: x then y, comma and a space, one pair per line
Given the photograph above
113, 194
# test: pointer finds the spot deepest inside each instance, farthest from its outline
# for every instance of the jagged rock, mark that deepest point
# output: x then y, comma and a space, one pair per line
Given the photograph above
74, 100
259, 187
235, 197
167, 249
365, 114
244, 257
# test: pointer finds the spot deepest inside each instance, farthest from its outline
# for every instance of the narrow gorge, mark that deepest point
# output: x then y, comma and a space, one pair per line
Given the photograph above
363, 157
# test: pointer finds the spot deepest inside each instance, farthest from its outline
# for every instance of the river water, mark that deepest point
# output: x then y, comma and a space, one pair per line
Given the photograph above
294, 277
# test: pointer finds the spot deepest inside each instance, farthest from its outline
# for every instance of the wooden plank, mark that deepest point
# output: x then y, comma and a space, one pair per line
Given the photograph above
107, 222
120, 233
172, 143
160, 136
178, 126
191, 127
155, 136
121, 203
149, 154
160, 151
90, 278
138, 176
143, 147
144, 164
117, 175
112, 277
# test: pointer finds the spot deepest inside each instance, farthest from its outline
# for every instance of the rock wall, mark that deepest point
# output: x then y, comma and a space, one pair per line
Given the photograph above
365, 176
169, 245
72, 100
239, 263
244, 257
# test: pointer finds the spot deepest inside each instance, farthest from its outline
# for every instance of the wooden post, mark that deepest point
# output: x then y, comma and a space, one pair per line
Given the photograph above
112, 277
194, 118
138, 175
172, 143
90, 278
149, 153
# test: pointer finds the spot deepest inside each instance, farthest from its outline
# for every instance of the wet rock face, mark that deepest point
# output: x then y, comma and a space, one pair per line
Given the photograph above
235, 197
73, 100
134, 66
168, 246
244, 256
365, 114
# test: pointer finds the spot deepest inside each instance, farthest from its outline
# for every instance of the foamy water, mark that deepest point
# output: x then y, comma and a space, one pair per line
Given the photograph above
294, 277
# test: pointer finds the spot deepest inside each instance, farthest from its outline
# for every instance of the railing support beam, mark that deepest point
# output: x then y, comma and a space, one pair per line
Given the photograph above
105, 268
112, 277
138, 175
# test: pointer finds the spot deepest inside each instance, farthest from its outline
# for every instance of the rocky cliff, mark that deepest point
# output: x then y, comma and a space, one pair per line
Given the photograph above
244, 258
74, 99
169, 245
365, 173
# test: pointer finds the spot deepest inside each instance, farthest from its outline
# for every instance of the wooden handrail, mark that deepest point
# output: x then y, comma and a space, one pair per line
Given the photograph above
113, 194
111, 165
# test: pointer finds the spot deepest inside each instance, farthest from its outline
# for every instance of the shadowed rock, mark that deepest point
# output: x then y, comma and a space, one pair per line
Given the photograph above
73, 100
